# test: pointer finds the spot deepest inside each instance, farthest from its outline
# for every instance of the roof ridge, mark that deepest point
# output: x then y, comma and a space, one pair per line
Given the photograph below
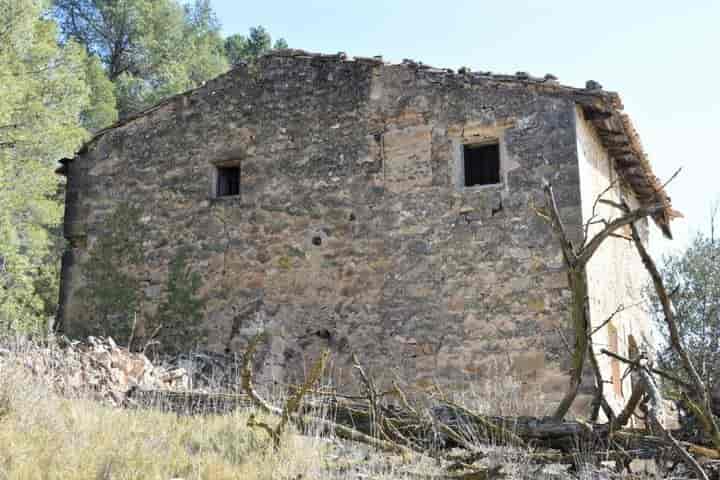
548, 80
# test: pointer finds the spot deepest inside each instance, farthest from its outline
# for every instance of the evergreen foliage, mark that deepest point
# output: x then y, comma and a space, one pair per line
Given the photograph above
102, 109
180, 315
150, 49
239, 48
693, 278
42, 93
113, 293
68, 69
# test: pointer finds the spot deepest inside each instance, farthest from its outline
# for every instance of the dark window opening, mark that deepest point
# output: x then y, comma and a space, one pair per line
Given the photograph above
228, 181
482, 164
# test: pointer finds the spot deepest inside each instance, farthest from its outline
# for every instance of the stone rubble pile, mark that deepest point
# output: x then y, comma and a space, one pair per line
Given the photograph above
97, 368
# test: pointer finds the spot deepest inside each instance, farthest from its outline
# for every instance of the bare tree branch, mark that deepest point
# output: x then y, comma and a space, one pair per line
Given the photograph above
624, 417
594, 215
599, 401
576, 261
698, 387
662, 373
553, 216
629, 218
327, 425
578, 285
619, 309
672, 177
654, 414
376, 421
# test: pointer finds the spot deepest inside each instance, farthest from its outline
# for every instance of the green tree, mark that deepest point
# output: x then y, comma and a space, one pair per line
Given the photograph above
235, 48
102, 108
112, 293
150, 49
42, 94
693, 278
239, 48
180, 315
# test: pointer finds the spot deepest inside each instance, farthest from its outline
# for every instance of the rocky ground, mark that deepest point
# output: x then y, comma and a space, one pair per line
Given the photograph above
97, 366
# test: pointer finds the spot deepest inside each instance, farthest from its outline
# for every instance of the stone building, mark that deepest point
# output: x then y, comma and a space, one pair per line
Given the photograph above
359, 206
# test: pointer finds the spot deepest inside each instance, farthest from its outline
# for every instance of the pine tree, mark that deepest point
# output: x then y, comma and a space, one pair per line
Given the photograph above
239, 48
42, 93
102, 109
149, 49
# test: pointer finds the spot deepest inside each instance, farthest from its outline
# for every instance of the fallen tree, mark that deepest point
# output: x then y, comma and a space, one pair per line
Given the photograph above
394, 424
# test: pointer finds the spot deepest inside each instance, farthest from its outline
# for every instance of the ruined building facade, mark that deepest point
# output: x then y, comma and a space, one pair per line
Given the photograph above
358, 206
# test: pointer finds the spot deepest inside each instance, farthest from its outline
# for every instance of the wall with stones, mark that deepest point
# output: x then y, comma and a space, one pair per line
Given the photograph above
616, 275
352, 231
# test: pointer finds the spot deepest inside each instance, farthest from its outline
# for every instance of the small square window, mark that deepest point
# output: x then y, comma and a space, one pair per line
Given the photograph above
481, 164
228, 181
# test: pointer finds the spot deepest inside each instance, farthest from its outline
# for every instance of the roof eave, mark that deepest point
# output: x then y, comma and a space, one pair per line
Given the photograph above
621, 140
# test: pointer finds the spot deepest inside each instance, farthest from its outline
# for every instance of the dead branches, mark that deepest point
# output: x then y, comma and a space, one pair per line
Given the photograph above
404, 429
410, 427
578, 285
696, 394
436, 426
292, 404
289, 413
376, 420
576, 260
654, 416
654, 370
247, 382
627, 412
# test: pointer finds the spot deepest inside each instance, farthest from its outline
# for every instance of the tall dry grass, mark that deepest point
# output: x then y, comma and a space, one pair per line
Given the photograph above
46, 436
43, 436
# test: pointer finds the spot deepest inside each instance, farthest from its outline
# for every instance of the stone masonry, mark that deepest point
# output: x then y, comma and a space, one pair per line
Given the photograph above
353, 230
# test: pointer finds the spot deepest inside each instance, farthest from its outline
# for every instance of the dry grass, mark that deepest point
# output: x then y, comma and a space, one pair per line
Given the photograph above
46, 437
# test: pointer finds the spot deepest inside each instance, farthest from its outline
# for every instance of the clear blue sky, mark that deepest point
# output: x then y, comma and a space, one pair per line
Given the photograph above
662, 56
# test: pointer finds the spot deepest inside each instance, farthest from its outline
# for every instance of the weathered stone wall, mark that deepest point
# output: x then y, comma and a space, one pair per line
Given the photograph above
616, 275
352, 230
